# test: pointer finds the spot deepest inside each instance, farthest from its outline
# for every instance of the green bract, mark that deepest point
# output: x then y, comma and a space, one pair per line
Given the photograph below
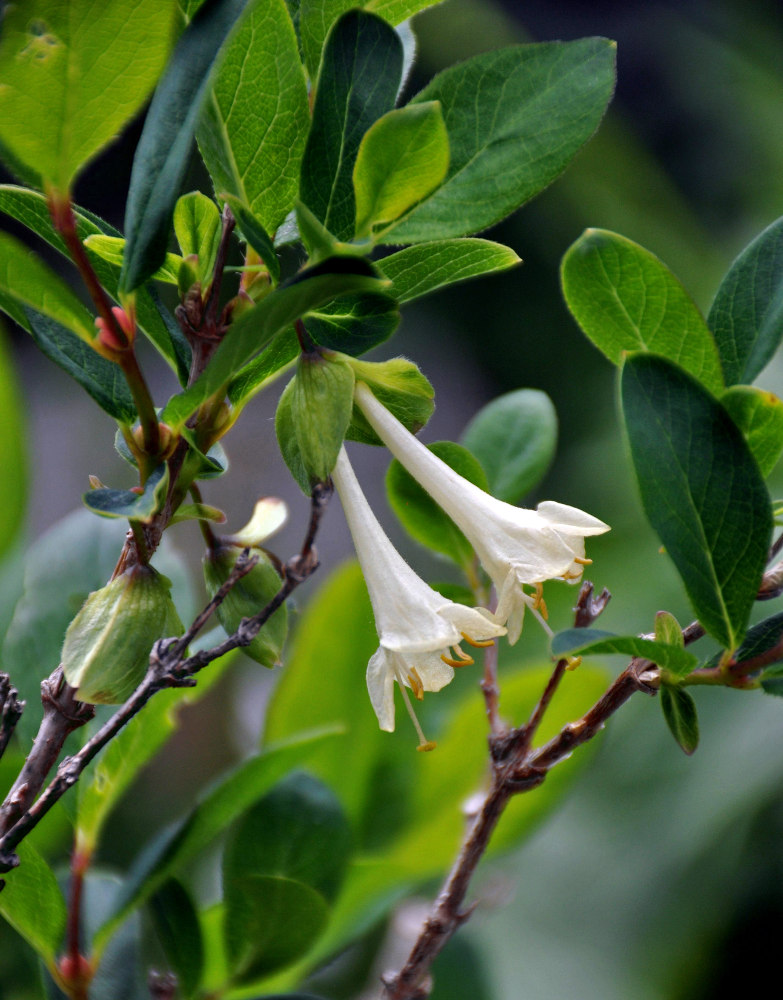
246, 598
107, 645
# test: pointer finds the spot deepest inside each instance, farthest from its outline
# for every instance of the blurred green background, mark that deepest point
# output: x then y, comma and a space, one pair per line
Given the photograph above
659, 876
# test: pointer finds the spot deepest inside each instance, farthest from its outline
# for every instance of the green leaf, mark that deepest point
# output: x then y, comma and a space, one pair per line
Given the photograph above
759, 415
29, 208
701, 490
254, 234
13, 453
197, 228
283, 861
357, 83
397, 11
274, 360
127, 503
253, 127
217, 808
668, 630
33, 903
255, 329
353, 324
270, 924
625, 299
421, 269
176, 924
515, 119
421, 516
163, 152
102, 379
110, 248
28, 282
401, 159
595, 642
74, 74
679, 710
514, 437
746, 317
298, 830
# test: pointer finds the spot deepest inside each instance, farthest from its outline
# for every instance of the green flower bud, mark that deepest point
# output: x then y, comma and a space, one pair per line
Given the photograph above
246, 598
107, 646
313, 416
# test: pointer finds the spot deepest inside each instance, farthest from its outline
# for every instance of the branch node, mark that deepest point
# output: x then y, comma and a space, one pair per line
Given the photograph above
588, 607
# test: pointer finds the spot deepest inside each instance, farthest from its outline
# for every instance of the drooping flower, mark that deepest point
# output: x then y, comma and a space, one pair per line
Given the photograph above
516, 546
420, 631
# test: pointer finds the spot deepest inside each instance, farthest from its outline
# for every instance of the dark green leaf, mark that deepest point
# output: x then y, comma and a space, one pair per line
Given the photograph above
421, 516
251, 379
29, 208
254, 234
746, 317
298, 831
679, 710
33, 903
13, 453
255, 329
759, 641
418, 270
255, 120
353, 323
164, 148
127, 503
357, 83
217, 808
514, 437
176, 923
595, 642
274, 921
515, 119
625, 299
402, 158
759, 415
72, 75
701, 489
102, 379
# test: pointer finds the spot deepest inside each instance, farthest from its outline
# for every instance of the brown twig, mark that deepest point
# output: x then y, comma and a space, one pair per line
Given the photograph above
167, 669
11, 709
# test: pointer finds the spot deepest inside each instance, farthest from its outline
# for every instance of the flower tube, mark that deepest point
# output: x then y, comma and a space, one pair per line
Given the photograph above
420, 631
516, 546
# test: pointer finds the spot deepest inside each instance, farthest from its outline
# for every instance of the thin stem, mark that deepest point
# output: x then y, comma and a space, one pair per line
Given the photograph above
148, 418
204, 526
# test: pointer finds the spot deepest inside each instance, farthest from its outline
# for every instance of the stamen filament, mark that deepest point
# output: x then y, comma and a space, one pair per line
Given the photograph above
424, 744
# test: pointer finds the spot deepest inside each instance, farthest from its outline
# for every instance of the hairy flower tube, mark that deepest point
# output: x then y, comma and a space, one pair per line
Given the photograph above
420, 631
516, 546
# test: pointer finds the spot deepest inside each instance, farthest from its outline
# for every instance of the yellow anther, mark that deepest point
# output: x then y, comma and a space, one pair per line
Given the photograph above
426, 746
464, 661
416, 684
539, 604
572, 662
583, 562
478, 643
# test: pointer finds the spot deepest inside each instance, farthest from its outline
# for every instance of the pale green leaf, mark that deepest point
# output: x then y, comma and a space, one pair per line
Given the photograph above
420, 269
72, 74
401, 159
33, 903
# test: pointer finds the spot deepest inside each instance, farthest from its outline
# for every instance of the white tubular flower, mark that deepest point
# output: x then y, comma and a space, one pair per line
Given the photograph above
515, 546
420, 631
